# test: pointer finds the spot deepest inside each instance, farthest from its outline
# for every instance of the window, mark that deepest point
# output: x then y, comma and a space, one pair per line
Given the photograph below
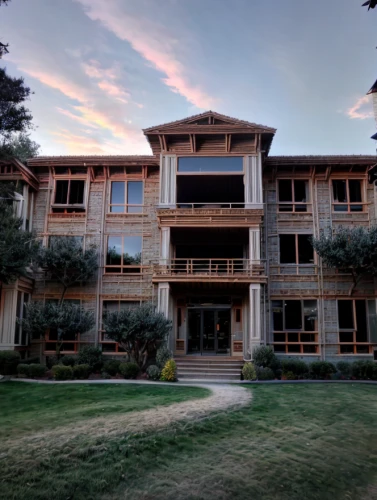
123, 254
357, 326
69, 196
210, 164
71, 342
108, 306
296, 249
293, 195
20, 337
295, 326
126, 197
347, 195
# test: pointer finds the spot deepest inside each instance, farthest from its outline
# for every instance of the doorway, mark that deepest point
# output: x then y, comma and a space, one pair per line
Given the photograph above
208, 331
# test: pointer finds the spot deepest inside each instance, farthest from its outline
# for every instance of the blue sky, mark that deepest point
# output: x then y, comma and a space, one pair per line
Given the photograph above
103, 70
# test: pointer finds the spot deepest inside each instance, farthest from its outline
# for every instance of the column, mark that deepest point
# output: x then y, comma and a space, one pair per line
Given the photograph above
254, 244
8, 315
168, 181
255, 315
165, 246
164, 305
253, 182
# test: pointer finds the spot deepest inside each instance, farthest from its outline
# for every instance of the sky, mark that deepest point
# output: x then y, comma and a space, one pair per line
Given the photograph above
101, 70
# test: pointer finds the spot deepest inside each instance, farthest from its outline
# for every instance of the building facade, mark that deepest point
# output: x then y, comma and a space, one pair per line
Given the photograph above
215, 232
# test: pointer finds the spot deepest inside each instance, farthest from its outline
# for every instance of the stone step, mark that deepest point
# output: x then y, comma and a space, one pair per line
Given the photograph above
216, 367
200, 375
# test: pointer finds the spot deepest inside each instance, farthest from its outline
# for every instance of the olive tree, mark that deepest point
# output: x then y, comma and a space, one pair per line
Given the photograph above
137, 330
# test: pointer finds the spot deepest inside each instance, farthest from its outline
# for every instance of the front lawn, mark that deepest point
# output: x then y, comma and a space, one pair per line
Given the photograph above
293, 442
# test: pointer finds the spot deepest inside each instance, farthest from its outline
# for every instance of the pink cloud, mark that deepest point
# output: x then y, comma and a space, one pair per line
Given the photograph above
114, 90
359, 111
78, 144
93, 69
152, 42
77, 118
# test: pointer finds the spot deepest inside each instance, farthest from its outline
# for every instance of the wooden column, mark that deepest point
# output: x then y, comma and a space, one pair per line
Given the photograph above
255, 323
168, 181
253, 182
165, 253
164, 305
8, 316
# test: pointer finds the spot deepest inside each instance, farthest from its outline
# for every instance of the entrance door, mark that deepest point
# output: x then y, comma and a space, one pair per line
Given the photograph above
208, 331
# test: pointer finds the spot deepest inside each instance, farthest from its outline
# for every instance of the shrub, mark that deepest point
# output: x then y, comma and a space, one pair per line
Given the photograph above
81, 371
111, 367
29, 361
321, 370
105, 375
298, 367
23, 370
264, 356
364, 370
169, 371
61, 372
68, 360
153, 372
36, 370
265, 373
92, 356
8, 362
163, 355
288, 375
248, 372
51, 361
129, 370
344, 368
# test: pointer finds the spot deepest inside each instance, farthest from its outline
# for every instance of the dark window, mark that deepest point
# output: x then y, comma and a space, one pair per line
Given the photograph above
361, 321
356, 321
293, 315
287, 248
69, 192
347, 195
345, 314
305, 249
296, 249
238, 315
293, 195
210, 164
61, 192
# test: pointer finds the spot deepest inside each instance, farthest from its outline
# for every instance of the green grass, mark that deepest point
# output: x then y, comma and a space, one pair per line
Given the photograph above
26, 407
294, 442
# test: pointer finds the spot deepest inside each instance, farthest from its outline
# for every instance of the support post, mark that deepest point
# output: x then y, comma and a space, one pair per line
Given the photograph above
253, 182
168, 181
254, 244
255, 316
164, 305
165, 247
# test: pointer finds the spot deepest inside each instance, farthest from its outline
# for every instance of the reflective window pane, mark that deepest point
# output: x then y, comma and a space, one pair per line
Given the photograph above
132, 250
114, 250
210, 164
134, 196
117, 197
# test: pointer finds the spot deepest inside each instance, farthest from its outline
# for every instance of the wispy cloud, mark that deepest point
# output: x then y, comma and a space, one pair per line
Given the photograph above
154, 43
78, 144
114, 90
360, 111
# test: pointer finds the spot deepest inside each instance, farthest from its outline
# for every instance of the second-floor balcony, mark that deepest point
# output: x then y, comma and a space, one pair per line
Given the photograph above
208, 269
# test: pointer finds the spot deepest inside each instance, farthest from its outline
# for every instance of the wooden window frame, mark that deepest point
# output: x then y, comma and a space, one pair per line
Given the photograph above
67, 208
126, 205
121, 266
293, 203
286, 343
348, 204
353, 330
296, 235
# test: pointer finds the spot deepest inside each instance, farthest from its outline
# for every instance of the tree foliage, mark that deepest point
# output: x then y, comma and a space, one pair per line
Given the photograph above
66, 262
19, 146
350, 249
137, 330
3, 46
17, 247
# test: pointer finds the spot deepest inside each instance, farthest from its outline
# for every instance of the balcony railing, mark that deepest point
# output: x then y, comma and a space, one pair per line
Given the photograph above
210, 205
210, 267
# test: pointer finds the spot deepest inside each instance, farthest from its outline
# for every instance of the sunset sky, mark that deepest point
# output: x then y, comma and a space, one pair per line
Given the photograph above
103, 70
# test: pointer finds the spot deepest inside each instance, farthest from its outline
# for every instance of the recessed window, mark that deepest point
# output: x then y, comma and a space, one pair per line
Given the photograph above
69, 196
357, 325
296, 249
295, 326
123, 254
347, 195
210, 164
293, 195
126, 197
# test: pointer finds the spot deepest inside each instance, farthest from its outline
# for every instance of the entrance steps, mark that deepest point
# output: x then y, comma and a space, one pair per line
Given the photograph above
214, 368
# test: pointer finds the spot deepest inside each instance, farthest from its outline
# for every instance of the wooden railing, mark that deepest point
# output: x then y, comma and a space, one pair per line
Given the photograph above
210, 205
210, 267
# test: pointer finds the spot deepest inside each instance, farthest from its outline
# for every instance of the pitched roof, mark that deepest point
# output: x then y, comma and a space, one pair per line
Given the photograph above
321, 159
228, 119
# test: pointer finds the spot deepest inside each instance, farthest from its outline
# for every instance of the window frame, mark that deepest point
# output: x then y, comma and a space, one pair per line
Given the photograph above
353, 330
349, 203
68, 208
297, 263
126, 205
121, 266
308, 203
301, 331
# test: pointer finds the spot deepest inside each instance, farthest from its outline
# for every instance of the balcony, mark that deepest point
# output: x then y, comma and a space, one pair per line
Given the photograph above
216, 270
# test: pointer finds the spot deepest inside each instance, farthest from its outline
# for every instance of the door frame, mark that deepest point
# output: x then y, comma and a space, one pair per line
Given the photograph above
216, 308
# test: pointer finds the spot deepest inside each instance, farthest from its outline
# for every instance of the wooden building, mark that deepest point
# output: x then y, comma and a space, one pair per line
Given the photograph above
212, 230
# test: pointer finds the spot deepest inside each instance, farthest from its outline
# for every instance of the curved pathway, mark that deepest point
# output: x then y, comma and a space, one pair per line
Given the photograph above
222, 397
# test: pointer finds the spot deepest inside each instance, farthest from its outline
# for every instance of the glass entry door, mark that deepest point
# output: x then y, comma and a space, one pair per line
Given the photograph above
208, 331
